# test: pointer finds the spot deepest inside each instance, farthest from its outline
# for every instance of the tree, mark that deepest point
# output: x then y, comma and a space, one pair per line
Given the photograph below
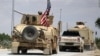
98, 42
97, 22
5, 40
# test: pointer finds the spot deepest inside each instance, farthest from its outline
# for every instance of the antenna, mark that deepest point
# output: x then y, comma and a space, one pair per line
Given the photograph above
67, 25
60, 13
18, 12
12, 20
60, 23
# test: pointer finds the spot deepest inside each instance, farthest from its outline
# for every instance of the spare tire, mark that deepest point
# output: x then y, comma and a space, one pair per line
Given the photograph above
30, 33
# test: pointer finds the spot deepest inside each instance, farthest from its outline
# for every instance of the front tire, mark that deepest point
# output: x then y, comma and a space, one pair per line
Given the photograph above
54, 51
24, 51
81, 49
61, 48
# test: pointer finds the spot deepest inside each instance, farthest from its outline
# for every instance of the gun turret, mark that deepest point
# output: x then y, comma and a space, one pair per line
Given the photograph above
34, 19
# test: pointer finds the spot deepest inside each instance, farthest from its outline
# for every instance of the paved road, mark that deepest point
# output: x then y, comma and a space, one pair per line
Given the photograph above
5, 52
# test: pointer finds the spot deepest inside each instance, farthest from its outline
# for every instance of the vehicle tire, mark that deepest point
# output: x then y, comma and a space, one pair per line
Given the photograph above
30, 33
54, 51
61, 48
24, 51
81, 50
20, 51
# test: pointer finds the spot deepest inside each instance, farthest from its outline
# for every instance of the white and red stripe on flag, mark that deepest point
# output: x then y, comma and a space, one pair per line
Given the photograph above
44, 21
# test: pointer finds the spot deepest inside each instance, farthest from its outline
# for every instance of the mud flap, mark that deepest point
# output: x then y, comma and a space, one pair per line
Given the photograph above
14, 48
46, 51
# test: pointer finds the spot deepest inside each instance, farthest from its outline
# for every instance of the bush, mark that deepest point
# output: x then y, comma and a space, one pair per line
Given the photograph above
5, 40
98, 42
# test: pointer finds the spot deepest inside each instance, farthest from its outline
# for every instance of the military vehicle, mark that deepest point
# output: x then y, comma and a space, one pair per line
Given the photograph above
87, 34
30, 34
79, 36
71, 40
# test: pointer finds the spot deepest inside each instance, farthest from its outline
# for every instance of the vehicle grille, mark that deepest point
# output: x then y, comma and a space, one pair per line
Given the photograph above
69, 43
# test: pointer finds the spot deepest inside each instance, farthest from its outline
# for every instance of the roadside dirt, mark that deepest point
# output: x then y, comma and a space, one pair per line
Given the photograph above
97, 52
94, 53
90, 53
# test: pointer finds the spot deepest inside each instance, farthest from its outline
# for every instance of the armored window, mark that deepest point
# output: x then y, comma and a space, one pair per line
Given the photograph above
27, 20
80, 23
33, 19
70, 33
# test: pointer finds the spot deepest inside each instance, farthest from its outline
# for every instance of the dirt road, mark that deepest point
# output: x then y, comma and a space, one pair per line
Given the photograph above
5, 52
90, 53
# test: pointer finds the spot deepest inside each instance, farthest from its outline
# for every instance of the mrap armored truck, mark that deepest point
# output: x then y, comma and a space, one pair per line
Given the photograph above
79, 37
30, 34
87, 35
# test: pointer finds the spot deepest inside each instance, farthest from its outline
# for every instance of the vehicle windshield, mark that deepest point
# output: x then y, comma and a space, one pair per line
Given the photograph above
70, 33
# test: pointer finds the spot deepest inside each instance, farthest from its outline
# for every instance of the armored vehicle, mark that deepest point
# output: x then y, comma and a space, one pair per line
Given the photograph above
79, 36
30, 34
87, 34
72, 40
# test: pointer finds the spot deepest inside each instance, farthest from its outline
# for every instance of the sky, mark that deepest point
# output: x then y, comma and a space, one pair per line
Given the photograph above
72, 11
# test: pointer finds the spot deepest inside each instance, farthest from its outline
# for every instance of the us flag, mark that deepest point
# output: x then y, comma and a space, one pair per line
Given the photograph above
44, 21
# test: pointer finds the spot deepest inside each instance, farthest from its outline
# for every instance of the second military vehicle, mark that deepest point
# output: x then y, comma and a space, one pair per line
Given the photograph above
30, 34
71, 39
80, 35
87, 34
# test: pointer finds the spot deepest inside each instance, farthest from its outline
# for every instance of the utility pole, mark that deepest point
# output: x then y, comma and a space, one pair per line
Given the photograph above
12, 20
99, 3
60, 13
60, 23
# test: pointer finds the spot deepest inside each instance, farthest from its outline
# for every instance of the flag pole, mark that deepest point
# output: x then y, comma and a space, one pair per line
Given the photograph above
12, 20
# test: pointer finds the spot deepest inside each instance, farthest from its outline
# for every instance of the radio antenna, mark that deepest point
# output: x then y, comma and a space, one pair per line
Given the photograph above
18, 12
60, 23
